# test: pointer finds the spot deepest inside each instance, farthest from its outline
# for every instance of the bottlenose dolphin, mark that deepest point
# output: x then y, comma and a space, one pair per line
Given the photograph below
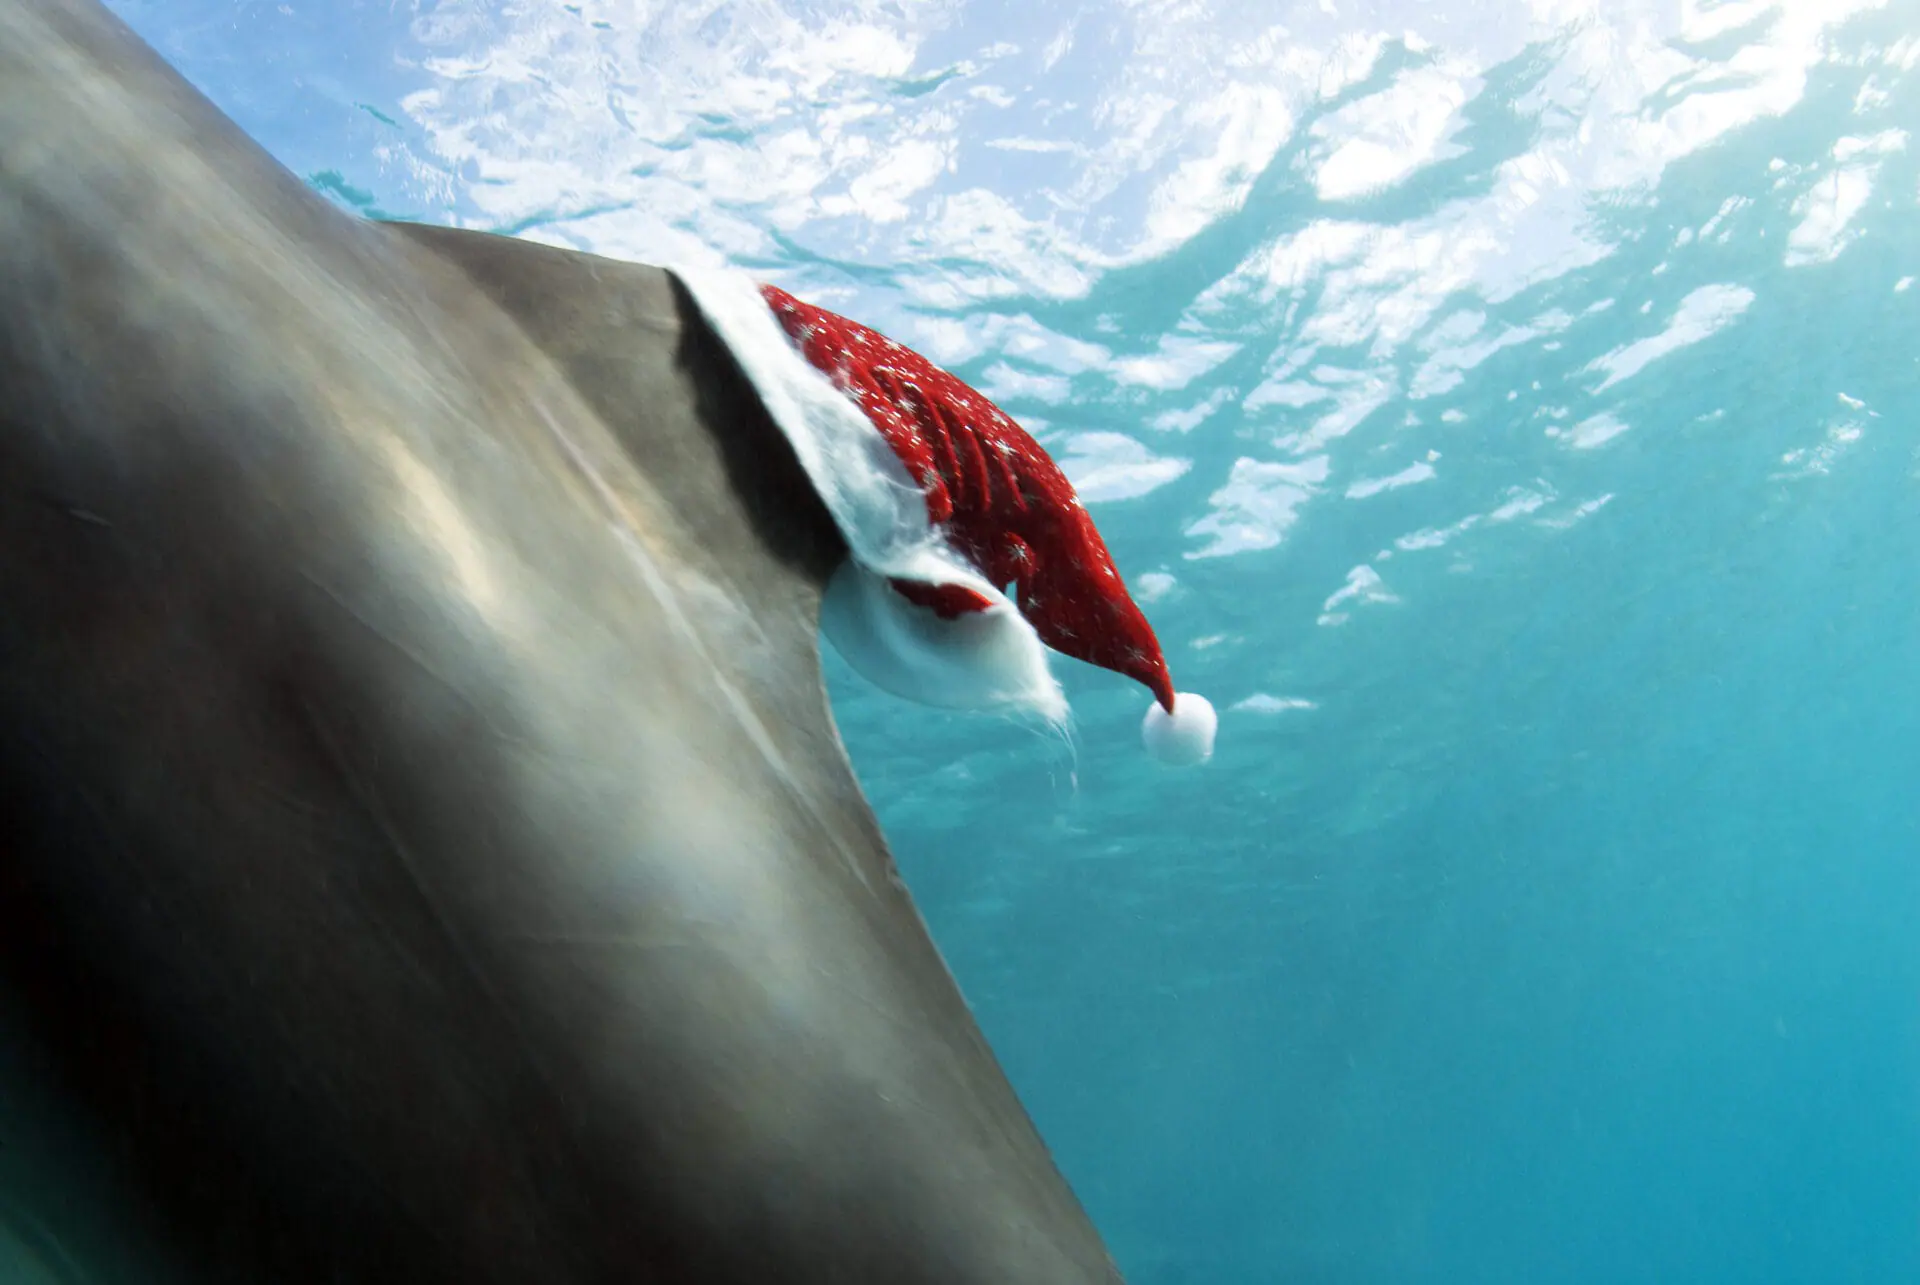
426, 852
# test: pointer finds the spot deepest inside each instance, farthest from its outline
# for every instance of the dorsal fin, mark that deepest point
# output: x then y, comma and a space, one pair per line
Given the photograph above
429, 856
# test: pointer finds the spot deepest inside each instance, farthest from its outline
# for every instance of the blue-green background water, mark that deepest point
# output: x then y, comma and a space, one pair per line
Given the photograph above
1512, 414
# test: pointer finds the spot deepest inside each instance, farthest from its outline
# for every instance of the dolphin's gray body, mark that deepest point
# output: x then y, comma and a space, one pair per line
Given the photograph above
426, 854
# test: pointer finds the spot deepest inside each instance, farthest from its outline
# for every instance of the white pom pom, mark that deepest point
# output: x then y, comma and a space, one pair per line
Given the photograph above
1184, 737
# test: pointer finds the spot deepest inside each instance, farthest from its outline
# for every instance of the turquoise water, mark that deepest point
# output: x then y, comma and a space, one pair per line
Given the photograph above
1510, 414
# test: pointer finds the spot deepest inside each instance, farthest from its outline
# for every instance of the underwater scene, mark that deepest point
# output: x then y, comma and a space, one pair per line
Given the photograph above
1508, 416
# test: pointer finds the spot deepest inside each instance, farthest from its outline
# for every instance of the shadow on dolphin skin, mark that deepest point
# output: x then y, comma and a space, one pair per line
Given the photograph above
576, 306
626, 335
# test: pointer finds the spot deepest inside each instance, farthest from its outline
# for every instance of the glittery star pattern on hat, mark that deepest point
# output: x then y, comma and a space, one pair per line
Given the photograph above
1002, 502
946, 503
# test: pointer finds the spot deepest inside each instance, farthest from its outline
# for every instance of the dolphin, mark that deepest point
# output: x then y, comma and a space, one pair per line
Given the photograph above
426, 850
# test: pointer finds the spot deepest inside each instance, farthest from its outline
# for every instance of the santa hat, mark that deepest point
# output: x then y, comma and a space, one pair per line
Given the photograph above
921, 610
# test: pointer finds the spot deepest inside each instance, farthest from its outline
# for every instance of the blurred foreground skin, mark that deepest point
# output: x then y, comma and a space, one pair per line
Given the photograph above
425, 851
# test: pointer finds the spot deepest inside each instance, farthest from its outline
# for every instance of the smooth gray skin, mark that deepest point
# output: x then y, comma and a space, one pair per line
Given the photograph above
426, 853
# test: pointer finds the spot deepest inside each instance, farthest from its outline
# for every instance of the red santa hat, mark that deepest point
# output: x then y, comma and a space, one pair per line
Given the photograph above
986, 494
1004, 504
